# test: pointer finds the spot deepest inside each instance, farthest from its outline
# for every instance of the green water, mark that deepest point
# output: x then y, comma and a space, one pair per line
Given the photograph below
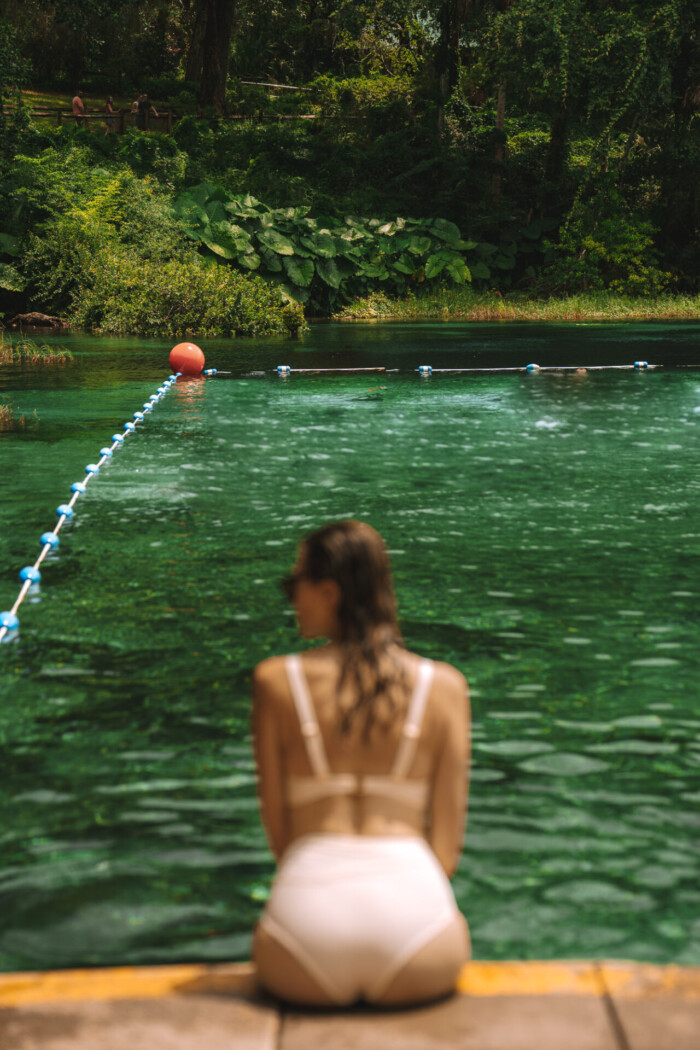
545, 537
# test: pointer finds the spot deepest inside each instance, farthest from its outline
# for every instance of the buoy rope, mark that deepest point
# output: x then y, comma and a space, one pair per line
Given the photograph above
638, 366
49, 540
427, 370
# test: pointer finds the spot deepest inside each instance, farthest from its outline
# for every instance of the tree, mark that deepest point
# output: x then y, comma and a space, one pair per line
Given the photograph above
209, 50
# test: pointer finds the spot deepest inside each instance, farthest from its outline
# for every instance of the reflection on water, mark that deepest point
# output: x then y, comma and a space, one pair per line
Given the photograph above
544, 537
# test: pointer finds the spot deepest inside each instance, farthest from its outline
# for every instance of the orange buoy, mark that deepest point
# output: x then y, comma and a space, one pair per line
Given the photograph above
186, 358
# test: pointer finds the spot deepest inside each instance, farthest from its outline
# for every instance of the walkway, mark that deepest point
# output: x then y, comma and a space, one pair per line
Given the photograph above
501, 1006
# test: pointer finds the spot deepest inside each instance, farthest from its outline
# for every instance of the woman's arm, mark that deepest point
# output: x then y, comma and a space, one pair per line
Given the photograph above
451, 778
267, 749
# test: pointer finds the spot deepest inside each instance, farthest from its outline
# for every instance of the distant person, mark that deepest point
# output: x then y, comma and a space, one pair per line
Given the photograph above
109, 113
146, 109
362, 752
79, 108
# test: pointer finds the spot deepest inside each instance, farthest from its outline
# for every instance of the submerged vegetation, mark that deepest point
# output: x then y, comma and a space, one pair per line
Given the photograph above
537, 151
8, 419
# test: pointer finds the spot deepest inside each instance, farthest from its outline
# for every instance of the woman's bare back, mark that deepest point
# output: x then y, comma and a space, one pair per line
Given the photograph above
441, 756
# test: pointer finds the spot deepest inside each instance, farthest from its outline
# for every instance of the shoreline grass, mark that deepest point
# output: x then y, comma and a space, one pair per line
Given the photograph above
464, 304
26, 352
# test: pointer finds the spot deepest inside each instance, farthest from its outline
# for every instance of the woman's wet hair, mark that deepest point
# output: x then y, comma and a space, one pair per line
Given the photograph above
354, 555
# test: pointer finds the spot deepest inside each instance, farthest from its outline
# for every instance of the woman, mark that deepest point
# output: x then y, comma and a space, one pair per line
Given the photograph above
362, 751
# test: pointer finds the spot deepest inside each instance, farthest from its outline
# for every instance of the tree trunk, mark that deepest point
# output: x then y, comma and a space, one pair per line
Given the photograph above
453, 15
195, 52
216, 46
497, 180
556, 154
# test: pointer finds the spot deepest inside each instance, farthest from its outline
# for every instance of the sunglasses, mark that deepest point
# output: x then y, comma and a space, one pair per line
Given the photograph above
289, 584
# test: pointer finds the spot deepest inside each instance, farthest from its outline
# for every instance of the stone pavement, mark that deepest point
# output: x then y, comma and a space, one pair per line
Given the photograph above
500, 1006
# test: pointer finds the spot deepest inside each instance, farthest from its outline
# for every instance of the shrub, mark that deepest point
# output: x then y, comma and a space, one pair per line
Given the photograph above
156, 155
122, 294
604, 246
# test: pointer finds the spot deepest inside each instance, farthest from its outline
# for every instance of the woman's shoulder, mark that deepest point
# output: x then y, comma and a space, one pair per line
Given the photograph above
269, 672
449, 693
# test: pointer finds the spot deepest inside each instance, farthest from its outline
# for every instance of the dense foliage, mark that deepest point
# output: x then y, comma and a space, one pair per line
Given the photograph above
556, 140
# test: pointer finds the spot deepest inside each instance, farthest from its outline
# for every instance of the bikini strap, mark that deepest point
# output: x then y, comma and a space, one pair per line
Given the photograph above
307, 716
414, 719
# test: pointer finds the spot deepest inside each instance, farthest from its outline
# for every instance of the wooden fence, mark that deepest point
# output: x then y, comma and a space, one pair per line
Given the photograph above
122, 119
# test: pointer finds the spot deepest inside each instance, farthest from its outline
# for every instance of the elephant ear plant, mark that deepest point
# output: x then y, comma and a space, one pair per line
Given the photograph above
324, 261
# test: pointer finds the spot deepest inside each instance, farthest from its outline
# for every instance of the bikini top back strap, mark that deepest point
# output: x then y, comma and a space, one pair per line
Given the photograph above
307, 716
414, 719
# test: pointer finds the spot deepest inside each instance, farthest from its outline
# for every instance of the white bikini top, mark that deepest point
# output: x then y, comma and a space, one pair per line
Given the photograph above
323, 784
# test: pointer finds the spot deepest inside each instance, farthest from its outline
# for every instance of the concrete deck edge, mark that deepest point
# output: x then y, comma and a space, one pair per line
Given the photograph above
612, 978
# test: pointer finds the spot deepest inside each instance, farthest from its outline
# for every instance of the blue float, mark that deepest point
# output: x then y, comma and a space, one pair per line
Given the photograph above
639, 365
9, 621
283, 370
49, 539
64, 511
29, 573
92, 468
106, 452
209, 372
532, 368
129, 425
425, 370
79, 487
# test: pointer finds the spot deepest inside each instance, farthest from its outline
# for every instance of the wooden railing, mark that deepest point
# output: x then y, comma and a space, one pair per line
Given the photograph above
122, 119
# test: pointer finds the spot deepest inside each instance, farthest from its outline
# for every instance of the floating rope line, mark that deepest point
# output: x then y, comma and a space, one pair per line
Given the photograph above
638, 366
49, 541
285, 370
428, 370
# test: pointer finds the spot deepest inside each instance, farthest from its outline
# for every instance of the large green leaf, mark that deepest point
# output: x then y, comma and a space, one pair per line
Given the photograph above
275, 241
458, 270
321, 243
328, 272
403, 265
201, 193
299, 271
292, 293
250, 260
240, 206
228, 232
225, 251
374, 269
504, 262
419, 245
271, 260
215, 211
185, 207
480, 271
434, 265
446, 231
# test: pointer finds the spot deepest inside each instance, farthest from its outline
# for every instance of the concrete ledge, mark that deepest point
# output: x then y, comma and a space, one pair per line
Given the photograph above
577, 1005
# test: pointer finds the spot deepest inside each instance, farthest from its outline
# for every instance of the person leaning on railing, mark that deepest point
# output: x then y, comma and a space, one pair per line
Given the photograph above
144, 110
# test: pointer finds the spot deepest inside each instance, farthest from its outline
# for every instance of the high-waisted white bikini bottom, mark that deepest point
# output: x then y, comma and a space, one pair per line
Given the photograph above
354, 908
